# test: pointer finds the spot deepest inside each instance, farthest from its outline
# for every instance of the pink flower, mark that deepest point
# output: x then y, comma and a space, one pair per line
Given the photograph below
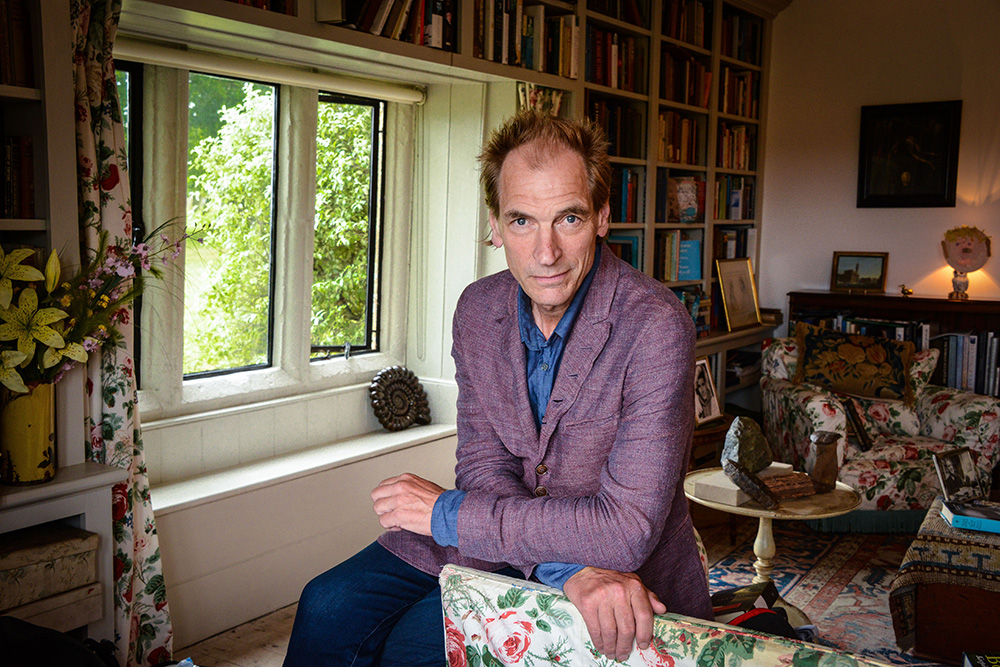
454, 644
910, 453
948, 435
511, 640
867, 479
988, 416
879, 412
828, 410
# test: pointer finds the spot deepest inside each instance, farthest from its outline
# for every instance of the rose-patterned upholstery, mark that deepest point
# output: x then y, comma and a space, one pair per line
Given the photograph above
897, 472
491, 620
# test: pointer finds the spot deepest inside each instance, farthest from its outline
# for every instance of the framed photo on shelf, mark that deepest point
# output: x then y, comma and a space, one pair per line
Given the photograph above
739, 293
706, 401
909, 154
958, 475
862, 272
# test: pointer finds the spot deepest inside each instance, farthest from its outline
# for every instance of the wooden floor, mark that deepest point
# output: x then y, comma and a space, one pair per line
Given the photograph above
262, 643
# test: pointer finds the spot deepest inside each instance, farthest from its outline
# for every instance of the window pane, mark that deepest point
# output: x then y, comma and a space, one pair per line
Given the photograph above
122, 81
345, 241
227, 281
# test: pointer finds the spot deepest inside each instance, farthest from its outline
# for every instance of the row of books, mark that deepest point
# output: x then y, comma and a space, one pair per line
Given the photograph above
688, 21
627, 194
533, 39
679, 138
624, 10
968, 361
616, 61
627, 245
17, 195
425, 22
733, 242
742, 36
16, 61
699, 306
734, 198
677, 255
739, 92
684, 78
737, 147
623, 124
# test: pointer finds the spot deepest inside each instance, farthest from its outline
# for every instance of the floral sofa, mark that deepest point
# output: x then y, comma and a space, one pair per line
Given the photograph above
492, 620
896, 471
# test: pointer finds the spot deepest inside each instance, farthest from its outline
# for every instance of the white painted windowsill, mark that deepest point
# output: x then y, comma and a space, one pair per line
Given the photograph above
185, 494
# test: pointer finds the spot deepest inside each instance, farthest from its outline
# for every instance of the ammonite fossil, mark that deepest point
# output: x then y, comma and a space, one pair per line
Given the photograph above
398, 399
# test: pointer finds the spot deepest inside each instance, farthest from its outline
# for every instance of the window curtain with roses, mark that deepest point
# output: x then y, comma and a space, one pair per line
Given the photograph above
142, 624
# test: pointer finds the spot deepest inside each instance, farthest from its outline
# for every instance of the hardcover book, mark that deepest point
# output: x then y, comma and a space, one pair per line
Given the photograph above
981, 515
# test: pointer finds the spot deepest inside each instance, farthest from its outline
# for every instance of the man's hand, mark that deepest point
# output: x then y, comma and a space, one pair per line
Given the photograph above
406, 502
616, 607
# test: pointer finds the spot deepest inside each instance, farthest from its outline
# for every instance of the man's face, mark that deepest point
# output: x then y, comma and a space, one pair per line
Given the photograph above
547, 227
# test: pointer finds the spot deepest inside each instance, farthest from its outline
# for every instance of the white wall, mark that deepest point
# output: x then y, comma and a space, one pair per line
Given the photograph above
831, 57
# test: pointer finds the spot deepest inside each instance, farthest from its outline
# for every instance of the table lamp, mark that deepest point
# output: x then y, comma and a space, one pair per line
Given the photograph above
966, 249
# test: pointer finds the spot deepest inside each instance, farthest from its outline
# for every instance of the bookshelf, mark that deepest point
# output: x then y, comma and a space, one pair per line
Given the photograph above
926, 320
36, 102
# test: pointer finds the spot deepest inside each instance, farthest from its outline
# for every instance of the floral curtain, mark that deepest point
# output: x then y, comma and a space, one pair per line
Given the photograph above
142, 624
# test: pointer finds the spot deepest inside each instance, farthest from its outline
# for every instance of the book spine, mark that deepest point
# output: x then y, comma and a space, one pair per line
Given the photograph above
973, 523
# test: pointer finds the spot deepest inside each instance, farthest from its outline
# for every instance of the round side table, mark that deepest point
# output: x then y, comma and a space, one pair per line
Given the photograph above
841, 500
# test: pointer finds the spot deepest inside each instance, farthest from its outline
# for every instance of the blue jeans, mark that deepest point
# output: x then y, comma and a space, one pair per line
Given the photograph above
372, 609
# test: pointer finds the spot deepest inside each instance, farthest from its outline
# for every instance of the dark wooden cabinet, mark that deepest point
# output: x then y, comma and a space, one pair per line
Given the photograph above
946, 315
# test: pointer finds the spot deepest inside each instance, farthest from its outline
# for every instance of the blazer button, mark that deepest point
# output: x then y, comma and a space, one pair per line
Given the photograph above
541, 491
541, 468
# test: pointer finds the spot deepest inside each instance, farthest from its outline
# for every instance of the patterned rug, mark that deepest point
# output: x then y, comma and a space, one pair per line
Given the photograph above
841, 581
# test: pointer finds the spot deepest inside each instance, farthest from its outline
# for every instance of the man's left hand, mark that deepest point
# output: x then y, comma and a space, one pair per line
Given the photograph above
406, 502
616, 607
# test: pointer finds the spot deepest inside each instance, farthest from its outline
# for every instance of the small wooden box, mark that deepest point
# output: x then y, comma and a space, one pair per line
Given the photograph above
45, 560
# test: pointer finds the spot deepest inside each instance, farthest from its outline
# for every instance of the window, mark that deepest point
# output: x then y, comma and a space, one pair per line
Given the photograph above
348, 145
235, 304
230, 202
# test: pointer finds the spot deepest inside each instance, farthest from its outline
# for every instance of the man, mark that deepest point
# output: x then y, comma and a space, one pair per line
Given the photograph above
574, 425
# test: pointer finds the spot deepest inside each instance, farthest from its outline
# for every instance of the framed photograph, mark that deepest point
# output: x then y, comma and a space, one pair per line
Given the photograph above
706, 401
739, 293
862, 272
909, 154
958, 475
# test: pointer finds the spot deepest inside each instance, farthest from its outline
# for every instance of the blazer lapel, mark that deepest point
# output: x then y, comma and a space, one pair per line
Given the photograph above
511, 371
586, 341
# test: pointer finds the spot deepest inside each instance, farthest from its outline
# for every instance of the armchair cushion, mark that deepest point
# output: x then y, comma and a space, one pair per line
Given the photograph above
882, 417
854, 364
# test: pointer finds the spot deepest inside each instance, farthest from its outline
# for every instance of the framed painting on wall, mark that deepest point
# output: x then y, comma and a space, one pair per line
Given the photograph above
909, 154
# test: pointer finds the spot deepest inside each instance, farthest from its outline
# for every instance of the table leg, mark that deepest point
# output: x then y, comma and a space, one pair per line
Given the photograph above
764, 549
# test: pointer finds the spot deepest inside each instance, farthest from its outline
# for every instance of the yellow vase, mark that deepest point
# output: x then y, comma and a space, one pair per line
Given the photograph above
27, 436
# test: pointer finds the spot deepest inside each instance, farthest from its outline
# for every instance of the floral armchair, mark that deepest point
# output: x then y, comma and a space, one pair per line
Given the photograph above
491, 620
895, 470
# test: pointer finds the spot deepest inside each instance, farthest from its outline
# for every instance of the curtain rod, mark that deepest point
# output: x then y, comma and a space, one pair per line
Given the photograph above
127, 48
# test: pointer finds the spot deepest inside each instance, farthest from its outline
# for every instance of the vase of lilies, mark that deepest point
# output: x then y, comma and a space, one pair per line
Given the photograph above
48, 325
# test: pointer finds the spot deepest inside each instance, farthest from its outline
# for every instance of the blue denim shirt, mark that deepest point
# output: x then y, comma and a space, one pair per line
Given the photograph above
543, 359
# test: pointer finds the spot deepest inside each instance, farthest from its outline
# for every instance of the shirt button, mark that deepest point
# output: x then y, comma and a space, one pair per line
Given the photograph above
541, 491
545, 367
541, 468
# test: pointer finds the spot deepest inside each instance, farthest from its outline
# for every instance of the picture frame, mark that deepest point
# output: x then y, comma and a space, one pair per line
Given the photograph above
706, 399
859, 272
739, 293
909, 154
957, 475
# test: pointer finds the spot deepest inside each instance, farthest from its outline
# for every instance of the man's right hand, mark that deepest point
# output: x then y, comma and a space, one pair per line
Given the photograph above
616, 607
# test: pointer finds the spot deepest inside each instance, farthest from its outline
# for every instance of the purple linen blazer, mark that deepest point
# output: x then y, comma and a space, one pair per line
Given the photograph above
601, 482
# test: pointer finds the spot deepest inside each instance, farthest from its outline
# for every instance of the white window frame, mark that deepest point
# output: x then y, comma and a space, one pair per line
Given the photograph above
165, 393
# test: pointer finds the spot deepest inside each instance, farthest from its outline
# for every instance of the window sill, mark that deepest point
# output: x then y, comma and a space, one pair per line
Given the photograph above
177, 496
